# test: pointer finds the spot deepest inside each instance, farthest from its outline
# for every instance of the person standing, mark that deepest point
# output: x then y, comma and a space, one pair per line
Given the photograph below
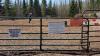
30, 17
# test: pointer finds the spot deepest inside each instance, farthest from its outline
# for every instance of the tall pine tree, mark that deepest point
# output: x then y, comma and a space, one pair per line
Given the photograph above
24, 8
1, 8
37, 8
19, 7
97, 4
31, 7
14, 9
80, 5
50, 8
73, 8
7, 8
44, 9
0, 3
92, 4
54, 11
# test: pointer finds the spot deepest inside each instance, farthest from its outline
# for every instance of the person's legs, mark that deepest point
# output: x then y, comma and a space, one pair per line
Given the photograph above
29, 20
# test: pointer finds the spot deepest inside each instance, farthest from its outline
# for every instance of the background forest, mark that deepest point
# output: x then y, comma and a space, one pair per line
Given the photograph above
43, 8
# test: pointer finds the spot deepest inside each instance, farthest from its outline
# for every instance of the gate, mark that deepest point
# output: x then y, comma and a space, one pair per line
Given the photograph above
93, 31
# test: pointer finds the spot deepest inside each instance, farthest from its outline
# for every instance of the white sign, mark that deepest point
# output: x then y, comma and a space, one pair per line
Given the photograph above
14, 32
56, 27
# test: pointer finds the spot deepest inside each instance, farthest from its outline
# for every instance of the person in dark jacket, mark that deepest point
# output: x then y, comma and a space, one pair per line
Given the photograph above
30, 17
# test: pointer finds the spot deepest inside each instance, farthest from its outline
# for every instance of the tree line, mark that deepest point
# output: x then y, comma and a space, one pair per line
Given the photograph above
43, 9
23, 7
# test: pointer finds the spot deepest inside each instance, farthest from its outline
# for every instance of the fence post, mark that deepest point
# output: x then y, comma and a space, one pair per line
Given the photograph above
82, 29
88, 43
41, 33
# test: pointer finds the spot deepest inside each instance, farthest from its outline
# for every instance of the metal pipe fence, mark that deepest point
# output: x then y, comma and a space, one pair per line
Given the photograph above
47, 43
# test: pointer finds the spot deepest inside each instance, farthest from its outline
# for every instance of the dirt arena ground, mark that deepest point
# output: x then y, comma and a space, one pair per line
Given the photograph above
30, 29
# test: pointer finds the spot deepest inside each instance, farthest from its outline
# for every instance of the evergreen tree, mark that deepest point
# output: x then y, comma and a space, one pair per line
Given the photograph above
92, 4
7, 8
1, 8
66, 7
37, 8
14, 9
63, 9
80, 5
31, 7
19, 8
24, 8
97, 4
50, 8
54, 11
43, 9
0, 2
57, 9
60, 8
73, 8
